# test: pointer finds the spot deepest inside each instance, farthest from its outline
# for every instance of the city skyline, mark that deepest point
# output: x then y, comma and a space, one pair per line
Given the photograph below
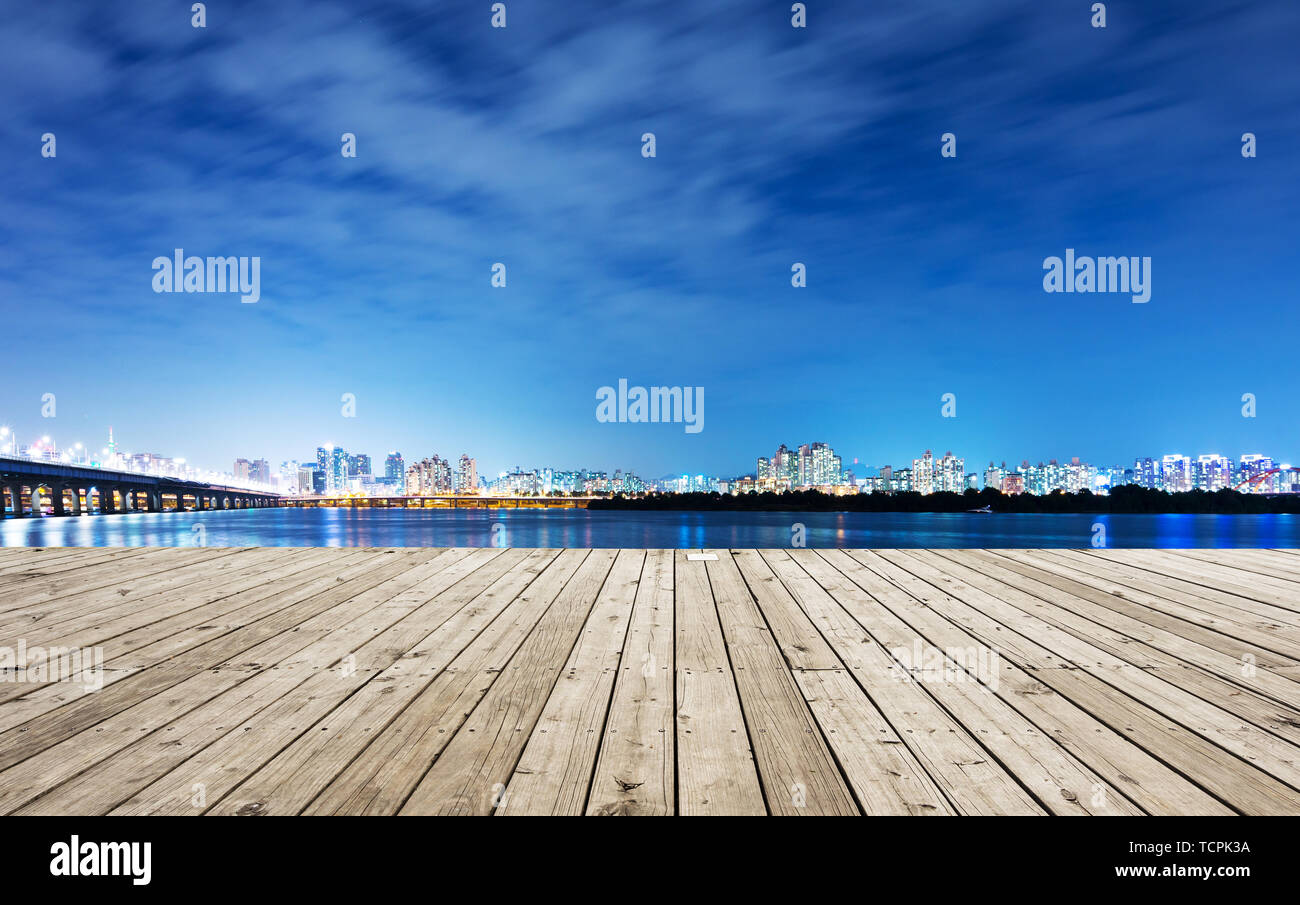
477, 146
333, 469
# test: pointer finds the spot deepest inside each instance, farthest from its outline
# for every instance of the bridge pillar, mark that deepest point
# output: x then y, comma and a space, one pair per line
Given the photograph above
76, 499
128, 504
56, 498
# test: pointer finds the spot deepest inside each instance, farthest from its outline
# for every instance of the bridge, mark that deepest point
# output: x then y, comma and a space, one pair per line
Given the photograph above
1255, 480
80, 489
449, 501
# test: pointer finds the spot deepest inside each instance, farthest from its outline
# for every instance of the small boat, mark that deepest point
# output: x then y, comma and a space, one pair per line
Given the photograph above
987, 510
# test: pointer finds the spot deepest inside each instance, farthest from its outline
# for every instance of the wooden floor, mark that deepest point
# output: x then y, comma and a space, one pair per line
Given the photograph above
510, 681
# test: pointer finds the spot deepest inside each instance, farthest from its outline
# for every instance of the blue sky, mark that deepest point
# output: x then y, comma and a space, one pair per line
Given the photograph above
774, 145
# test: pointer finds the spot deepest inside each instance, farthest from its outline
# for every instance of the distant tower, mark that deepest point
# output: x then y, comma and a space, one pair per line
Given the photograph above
112, 448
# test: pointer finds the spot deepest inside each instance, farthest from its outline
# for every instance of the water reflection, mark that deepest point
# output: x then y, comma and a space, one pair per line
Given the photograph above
681, 530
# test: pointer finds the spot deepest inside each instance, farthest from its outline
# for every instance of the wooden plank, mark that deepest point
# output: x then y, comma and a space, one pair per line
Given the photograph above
119, 606
329, 665
74, 591
38, 564
799, 774
1111, 586
1255, 587
130, 653
1228, 679
1257, 562
293, 608
359, 680
110, 624
1123, 765
853, 620
1214, 601
382, 777
636, 770
287, 754
554, 772
471, 773
233, 692
716, 773
885, 775
1257, 750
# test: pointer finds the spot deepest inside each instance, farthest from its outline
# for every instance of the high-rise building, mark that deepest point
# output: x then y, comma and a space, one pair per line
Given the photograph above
1035, 478
243, 469
824, 466
395, 471
923, 473
949, 474
1176, 473
358, 465
1212, 472
429, 477
803, 466
260, 472
1146, 473
903, 481
467, 475
1254, 473
993, 475
332, 463
1079, 476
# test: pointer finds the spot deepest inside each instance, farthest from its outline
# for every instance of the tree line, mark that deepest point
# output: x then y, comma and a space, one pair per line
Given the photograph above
1127, 498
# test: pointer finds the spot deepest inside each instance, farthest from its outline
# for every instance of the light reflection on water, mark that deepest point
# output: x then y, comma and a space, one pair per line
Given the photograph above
580, 528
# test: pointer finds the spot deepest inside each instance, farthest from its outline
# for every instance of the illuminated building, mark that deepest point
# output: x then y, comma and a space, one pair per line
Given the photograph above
923, 474
1176, 473
466, 475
